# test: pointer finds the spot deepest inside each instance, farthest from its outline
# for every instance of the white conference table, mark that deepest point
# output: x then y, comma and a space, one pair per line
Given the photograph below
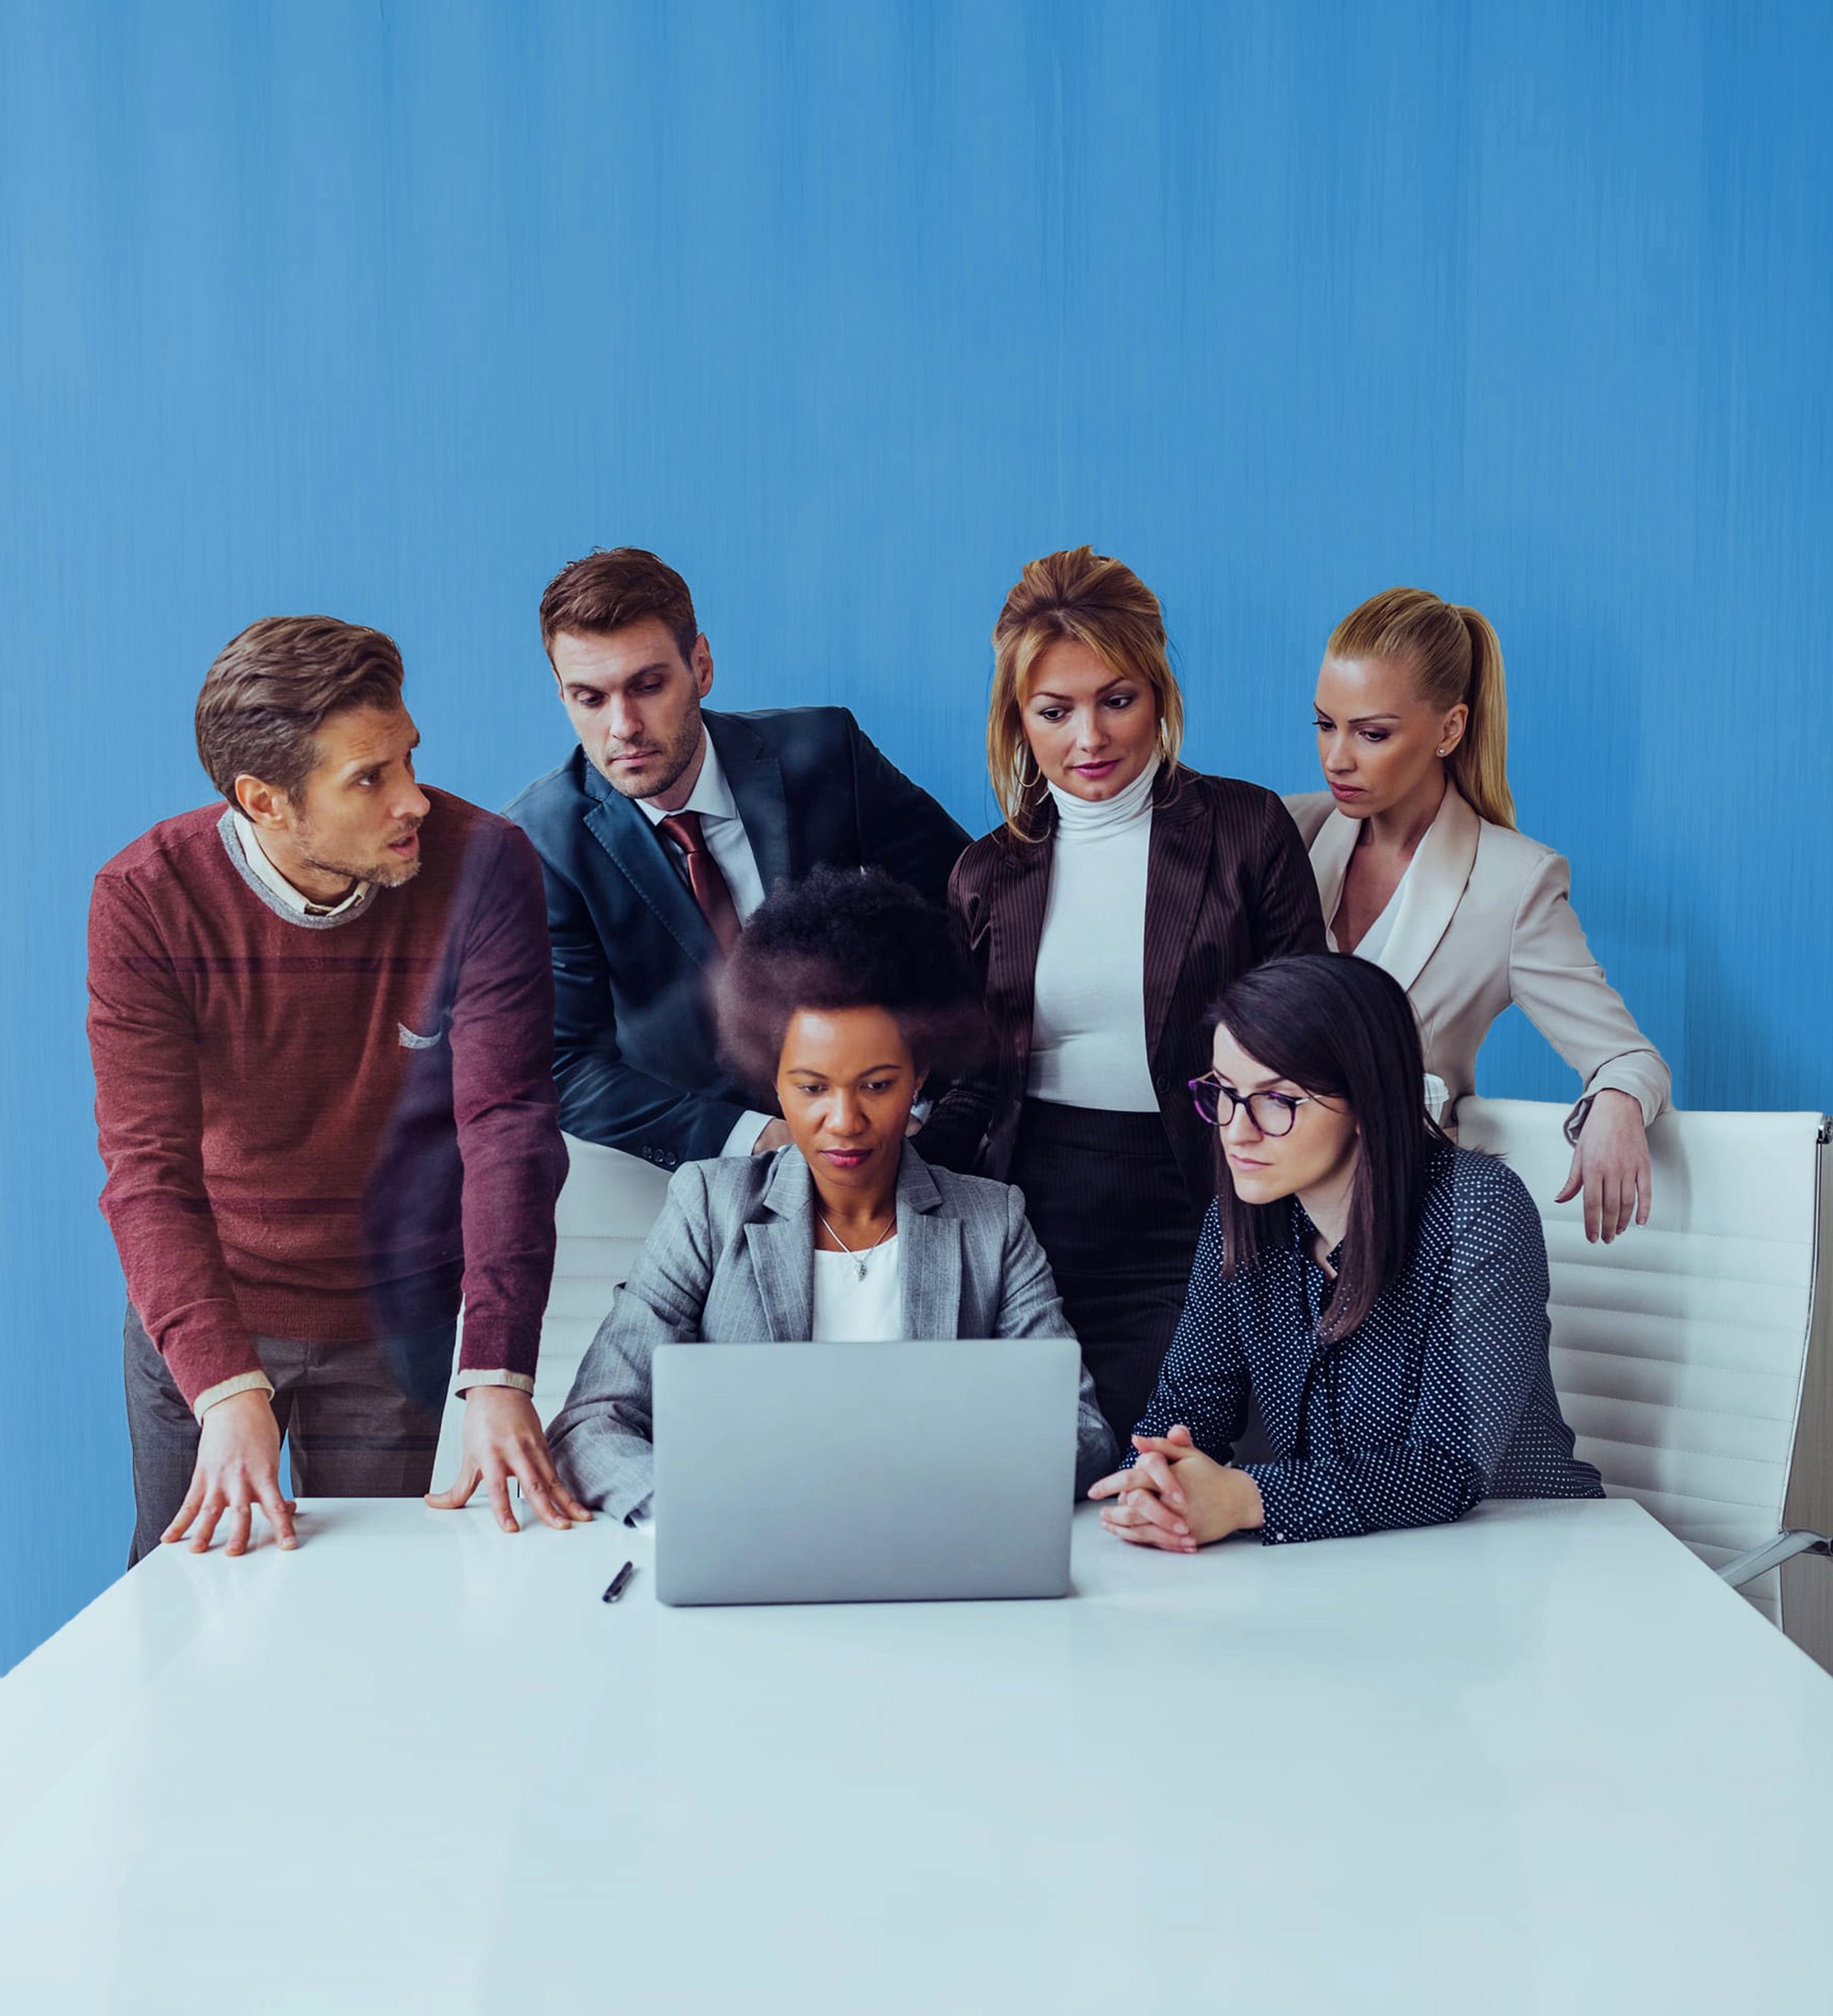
1541, 1760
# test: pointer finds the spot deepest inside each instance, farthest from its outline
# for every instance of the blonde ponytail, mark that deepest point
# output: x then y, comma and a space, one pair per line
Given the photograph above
1458, 659
1479, 764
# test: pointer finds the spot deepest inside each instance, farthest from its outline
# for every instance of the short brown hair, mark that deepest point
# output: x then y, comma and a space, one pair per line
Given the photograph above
608, 591
271, 688
1102, 603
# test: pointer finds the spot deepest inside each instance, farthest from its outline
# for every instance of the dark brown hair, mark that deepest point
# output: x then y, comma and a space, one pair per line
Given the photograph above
1341, 1027
271, 688
846, 937
607, 591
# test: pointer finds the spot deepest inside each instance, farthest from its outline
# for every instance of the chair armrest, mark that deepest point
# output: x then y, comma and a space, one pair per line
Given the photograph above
1759, 1560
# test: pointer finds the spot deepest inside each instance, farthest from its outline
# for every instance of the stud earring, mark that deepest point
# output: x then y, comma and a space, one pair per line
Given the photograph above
1441, 753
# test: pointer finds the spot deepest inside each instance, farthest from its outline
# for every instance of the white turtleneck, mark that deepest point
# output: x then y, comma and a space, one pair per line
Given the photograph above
1087, 1020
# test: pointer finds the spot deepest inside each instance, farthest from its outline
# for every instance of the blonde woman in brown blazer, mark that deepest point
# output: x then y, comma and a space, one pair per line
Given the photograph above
1122, 893
1419, 867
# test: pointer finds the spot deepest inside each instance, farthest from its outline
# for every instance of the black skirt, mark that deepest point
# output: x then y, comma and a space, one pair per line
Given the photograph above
1104, 1195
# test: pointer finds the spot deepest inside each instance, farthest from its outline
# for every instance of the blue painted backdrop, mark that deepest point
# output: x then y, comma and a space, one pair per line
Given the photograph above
848, 309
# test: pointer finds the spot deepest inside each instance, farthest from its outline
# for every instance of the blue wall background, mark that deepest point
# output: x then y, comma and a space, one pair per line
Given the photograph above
849, 310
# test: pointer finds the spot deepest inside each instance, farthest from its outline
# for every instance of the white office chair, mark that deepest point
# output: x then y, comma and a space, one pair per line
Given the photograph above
610, 1201
1689, 1355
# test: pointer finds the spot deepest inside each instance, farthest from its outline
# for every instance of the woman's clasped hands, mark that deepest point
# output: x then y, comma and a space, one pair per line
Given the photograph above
1176, 1498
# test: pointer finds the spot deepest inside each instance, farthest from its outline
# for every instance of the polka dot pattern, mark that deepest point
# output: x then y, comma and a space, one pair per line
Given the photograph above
1440, 1397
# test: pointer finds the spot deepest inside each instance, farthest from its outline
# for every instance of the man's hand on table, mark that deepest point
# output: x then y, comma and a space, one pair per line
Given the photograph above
238, 1467
502, 1438
1176, 1498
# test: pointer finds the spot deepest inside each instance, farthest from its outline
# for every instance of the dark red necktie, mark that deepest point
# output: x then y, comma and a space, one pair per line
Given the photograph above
711, 891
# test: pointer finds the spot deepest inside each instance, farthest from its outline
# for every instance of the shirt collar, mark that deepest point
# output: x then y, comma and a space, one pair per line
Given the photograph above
712, 795
1304, 1231
301, 905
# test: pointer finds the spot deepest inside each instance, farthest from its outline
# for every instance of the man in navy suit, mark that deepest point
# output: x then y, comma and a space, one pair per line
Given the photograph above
663, 831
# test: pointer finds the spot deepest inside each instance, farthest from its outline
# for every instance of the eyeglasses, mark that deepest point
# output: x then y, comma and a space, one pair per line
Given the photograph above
1272, 1112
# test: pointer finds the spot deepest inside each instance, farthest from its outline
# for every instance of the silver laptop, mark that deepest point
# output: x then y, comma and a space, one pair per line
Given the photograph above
864, 1473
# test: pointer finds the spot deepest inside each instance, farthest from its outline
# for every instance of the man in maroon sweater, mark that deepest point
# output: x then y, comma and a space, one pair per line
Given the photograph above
322, 1021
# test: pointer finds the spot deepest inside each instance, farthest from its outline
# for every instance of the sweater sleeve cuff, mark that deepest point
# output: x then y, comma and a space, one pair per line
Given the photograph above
519, 1381
243, 1382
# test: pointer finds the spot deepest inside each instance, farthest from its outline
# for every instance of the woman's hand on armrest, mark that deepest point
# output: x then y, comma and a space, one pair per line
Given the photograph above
1177, 1499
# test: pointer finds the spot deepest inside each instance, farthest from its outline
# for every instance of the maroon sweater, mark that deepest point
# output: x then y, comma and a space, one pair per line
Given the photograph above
326, 1130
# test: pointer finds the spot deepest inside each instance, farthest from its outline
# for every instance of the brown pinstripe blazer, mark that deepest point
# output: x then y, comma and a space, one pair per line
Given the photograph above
1227, 885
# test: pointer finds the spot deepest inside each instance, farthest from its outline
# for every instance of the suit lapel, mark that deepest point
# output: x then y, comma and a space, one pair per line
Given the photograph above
929, 1247
1434, 887
632, 842
756, 779
782, 1250
1176, 874
1015, 920
1330, 853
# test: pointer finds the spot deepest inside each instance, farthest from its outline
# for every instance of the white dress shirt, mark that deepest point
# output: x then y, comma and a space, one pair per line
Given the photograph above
1374, 942
730, 845
1370, 945
301, 905
1088, 1014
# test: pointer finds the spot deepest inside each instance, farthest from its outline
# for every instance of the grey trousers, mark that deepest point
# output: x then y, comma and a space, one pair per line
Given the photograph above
350, 1431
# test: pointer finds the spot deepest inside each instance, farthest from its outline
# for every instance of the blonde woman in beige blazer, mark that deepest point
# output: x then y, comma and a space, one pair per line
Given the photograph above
1420, 869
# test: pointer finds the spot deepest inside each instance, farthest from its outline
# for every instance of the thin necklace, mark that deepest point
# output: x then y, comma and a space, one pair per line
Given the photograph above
865, 1254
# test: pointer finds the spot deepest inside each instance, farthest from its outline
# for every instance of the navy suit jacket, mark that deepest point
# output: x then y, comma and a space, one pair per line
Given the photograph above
635, 1055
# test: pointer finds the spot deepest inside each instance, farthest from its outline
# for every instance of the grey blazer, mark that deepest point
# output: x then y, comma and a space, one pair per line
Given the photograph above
731, 1260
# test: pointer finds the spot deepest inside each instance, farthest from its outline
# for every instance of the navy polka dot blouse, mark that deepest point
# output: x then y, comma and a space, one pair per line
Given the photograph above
1440, 1397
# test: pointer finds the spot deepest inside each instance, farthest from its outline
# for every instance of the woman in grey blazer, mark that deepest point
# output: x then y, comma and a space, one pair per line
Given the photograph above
839, 994
1420, 869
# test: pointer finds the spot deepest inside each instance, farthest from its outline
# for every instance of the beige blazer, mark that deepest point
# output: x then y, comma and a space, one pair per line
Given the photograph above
1485, 919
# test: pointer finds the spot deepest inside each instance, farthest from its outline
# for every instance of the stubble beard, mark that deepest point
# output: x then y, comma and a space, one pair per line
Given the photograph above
393, 877
389, 874
680, 753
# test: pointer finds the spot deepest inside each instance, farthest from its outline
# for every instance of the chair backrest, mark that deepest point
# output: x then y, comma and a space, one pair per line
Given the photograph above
1680, 1351
603, 1216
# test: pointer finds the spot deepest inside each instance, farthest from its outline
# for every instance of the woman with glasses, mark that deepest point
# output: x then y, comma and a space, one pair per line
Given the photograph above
1121, 893
1420, 869
1381, 1293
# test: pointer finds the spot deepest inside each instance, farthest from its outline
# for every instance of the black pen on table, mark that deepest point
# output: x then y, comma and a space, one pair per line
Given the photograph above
620, 1582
